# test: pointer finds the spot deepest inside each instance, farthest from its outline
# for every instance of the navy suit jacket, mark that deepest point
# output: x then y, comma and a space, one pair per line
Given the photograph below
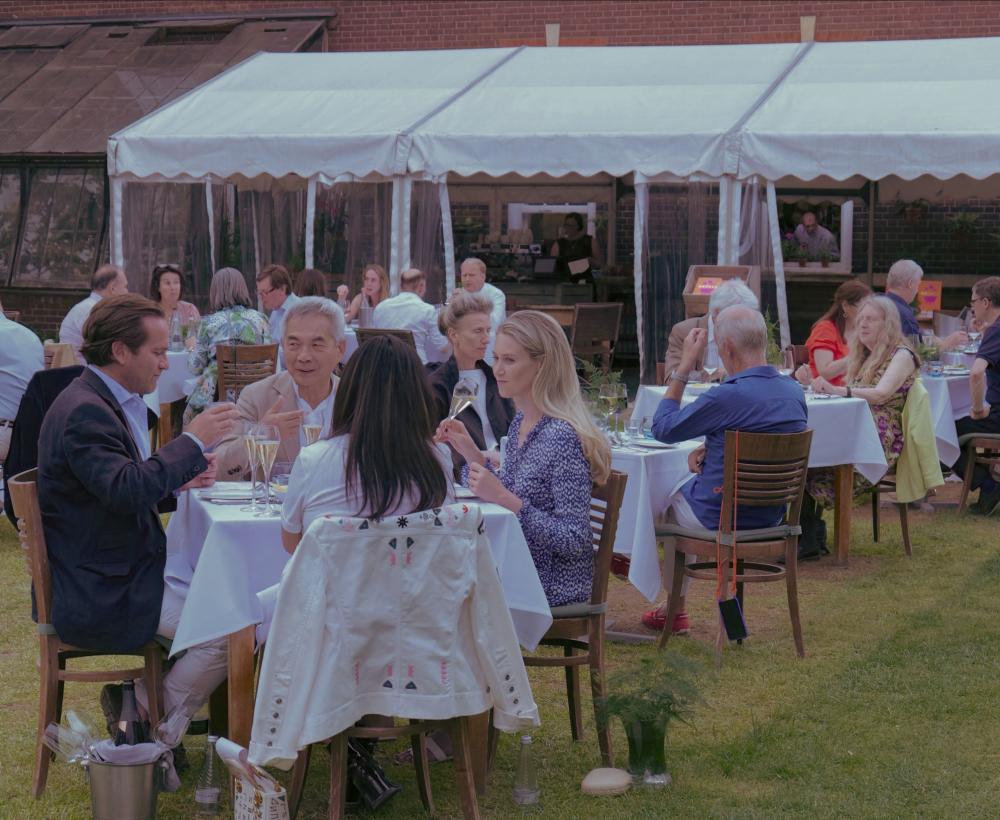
98, 499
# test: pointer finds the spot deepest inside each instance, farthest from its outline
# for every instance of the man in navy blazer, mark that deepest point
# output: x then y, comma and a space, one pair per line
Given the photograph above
101, 490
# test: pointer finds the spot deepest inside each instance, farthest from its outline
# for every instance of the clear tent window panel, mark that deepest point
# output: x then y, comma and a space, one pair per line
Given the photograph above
60, 245
426, 239
353, 228
167, 222
10, 215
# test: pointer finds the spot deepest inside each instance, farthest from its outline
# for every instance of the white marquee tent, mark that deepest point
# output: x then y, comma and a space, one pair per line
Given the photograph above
724, 113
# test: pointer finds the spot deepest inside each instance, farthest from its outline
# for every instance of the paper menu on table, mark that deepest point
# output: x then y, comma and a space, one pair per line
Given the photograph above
578, 266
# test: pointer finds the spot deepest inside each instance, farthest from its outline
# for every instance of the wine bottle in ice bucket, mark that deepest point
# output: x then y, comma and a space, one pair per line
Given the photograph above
129, 729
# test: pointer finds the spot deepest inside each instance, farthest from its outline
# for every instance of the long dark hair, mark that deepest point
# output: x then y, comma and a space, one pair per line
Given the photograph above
850, 292
384, 405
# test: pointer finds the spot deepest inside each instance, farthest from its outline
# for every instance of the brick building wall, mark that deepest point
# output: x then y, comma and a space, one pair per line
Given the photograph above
376, 25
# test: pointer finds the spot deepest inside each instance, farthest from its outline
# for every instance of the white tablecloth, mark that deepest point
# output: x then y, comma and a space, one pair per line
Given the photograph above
175, 383
843, 431
951, 399
221, 557
352, 342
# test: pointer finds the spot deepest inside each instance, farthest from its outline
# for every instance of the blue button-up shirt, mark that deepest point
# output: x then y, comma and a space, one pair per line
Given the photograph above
907, 318
134, 409
756, 400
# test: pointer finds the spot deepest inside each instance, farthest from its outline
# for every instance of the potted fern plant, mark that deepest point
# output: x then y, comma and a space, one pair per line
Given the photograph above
646, 697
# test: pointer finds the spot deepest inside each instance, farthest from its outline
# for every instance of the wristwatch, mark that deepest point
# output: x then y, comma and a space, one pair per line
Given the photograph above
678, 377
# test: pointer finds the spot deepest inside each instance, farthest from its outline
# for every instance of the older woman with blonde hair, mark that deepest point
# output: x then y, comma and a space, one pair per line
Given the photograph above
554, 454
232, 320
881, 369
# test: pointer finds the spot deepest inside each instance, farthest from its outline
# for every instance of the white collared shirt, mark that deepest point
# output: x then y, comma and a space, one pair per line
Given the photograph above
133, 407
321, 414
21, 356
71, 329
407, 311
497, 315
276, 321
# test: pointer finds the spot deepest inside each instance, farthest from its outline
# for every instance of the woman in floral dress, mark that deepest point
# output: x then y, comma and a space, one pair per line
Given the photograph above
881, 369
232, 320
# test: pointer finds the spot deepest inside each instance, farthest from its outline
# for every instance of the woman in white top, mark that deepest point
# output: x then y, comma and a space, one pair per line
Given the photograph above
380, 459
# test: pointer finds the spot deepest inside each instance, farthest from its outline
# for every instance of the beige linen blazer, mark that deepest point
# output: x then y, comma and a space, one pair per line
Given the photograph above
253, 404
675, 344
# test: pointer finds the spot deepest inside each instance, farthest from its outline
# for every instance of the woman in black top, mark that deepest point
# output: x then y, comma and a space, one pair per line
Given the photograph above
574, 249
466, 322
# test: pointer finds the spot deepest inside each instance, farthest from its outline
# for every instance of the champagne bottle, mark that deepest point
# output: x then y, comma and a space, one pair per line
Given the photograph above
209, 788
130, 729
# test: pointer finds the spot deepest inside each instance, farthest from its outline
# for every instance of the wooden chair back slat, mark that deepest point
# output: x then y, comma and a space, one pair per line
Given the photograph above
24, 494
605, 505
240, 365
595, 330
795, 356
769, 470
366, 334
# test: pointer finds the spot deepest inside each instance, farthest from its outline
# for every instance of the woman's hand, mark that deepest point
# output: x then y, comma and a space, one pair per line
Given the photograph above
696, 458
804, 375
821, 385
488, 488
453, 432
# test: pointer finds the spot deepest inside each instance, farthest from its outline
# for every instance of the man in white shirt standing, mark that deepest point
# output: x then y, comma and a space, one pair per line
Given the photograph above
21, 356
407, 310
107, 280
474, 281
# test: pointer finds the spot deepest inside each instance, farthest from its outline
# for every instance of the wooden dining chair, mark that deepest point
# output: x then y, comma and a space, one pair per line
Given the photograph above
769, 471
240, 365
579, 628
982, 449
887, 484
53, 654
595, 331
366, 334
795, 356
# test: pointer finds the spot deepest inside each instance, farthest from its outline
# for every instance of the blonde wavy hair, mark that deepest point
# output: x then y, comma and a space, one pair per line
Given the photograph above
556, 389
862, 363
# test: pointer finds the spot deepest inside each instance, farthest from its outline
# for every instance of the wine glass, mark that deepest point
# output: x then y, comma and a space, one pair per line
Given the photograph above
249, 437
267, 450
463, 396
312, 432
608, 400
280, 474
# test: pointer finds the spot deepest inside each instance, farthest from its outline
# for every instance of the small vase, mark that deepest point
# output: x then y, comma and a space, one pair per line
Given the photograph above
647, 754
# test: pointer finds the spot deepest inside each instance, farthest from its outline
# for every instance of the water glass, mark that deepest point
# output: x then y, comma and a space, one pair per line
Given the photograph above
646, 427
634, 428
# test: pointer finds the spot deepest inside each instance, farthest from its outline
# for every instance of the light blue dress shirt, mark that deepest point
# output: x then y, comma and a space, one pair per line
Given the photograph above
276, 320
134, 409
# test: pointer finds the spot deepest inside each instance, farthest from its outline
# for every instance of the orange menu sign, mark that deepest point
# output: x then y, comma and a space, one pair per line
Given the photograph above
929, 295
706, 285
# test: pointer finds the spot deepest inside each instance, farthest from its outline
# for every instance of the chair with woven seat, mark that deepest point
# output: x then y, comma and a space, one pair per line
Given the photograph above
366, 334
595, 331
982, 449
240, 365
53, 654
760, 470
572, 622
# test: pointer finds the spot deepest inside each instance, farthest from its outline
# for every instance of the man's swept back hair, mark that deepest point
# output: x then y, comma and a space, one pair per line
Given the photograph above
116, 319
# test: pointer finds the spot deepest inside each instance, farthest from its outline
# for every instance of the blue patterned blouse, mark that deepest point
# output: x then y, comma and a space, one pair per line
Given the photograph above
551, 476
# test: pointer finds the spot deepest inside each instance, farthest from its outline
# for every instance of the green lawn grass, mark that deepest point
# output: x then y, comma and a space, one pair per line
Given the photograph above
893, 713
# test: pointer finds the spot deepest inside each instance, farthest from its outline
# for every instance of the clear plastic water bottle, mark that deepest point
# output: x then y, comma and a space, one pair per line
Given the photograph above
176, 342
526, 791
208, 792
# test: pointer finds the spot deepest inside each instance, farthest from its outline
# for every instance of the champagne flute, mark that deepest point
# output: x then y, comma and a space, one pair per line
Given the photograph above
312, 432
249, 438
267, 450
608, 399
463, 396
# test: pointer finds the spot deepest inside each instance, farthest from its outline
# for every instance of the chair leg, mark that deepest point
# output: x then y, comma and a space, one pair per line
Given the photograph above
573, 696
338, 775
673, 602
154, 682
598, 687
739, 593
970, 468
464, 780
792, 590
423, 770
904, 526
48, 695
218, 710
493, 741
297, 783
875, 512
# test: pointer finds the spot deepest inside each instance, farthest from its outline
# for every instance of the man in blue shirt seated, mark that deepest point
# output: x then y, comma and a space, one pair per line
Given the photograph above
901, 286
756, 398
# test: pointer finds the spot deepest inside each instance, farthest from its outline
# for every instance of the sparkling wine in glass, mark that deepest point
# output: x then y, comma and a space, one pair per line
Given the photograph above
463, 396
312, 432
267, 450
249, 438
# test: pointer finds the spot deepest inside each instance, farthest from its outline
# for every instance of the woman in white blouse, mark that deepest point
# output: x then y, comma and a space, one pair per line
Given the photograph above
380, 459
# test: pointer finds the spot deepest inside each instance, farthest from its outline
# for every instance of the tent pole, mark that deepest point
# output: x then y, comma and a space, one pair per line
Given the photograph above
872, 201
310, 221
447, 237
729, 221
638, 250
779, 265
405, 212
117, 237
210, 209
394, 229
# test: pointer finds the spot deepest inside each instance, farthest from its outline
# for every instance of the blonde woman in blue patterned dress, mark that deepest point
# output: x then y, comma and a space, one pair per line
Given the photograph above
881, 369
232, 320
554, 454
